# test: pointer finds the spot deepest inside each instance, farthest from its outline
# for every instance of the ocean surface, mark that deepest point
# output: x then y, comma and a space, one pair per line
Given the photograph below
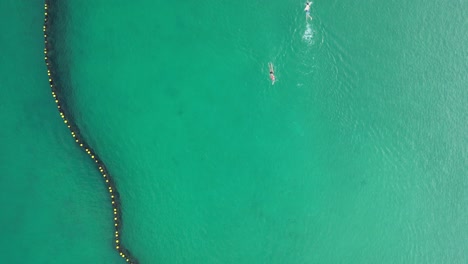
358, 154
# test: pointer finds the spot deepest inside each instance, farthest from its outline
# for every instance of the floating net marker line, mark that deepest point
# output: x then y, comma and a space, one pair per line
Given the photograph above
75, 133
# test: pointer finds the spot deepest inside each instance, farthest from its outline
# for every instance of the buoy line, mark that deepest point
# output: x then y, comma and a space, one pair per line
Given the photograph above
75, 133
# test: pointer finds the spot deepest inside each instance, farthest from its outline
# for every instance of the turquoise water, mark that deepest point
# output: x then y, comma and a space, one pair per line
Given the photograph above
357, 154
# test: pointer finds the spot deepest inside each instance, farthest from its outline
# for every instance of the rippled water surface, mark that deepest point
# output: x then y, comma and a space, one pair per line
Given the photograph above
358, 154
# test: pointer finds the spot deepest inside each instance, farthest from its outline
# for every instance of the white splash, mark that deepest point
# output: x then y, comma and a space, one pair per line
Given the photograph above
308, 36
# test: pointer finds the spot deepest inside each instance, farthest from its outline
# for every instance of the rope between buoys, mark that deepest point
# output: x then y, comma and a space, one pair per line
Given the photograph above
75, 133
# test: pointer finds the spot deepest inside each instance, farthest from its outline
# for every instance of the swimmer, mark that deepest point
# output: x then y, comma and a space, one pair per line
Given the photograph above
272, 73
307, 10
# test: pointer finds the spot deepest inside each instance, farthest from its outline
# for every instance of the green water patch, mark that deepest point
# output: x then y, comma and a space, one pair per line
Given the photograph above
328, 165
357, 154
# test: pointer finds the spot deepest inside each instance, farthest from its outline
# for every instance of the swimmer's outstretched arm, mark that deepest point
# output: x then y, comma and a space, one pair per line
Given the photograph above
270, 66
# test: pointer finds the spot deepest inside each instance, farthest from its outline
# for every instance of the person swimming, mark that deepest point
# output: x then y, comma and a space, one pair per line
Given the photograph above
272, 73
307, 10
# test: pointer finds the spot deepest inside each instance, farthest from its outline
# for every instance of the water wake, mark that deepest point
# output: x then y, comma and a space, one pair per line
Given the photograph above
308, 36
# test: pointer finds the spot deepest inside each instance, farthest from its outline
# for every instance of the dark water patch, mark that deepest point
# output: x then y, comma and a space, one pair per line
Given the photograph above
58, 77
